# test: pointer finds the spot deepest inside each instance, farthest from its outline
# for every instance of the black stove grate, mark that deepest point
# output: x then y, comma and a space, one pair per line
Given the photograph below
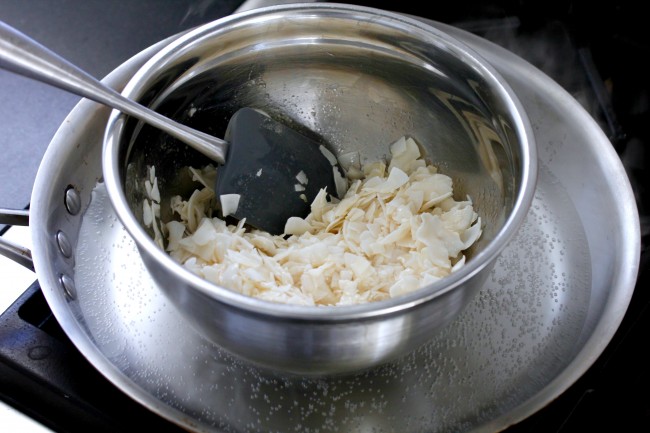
43, 375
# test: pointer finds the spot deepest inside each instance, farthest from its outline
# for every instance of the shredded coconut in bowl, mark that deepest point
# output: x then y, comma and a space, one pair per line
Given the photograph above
396, 229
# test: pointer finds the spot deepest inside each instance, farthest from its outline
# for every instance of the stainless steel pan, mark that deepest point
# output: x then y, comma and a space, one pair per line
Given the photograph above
359, 79
552, 303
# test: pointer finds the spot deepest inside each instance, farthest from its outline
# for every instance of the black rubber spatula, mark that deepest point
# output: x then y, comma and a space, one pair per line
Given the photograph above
264, 163
273, 171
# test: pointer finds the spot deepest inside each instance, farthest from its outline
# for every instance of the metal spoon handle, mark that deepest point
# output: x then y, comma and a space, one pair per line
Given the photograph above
23, 55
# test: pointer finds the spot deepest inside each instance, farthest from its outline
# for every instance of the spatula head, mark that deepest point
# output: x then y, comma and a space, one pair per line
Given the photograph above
275, 171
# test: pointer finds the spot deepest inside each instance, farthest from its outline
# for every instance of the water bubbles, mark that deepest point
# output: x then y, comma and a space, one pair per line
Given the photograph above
480, 365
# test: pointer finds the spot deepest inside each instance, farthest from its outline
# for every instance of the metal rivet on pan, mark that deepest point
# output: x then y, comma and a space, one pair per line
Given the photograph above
68, 286
72, 201
64, 244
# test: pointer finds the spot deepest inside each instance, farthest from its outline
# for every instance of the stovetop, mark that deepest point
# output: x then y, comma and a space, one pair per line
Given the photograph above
594, 53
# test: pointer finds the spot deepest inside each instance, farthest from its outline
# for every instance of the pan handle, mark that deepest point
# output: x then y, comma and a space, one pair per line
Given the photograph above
17, 253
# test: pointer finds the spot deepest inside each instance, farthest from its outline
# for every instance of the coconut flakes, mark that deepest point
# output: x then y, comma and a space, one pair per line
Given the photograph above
396, 229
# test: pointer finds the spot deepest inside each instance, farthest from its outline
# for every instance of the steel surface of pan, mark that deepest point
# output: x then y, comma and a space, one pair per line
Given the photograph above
361, 78
552, 303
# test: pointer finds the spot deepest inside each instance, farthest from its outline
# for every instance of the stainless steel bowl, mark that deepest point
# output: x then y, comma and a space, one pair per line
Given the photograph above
357, 79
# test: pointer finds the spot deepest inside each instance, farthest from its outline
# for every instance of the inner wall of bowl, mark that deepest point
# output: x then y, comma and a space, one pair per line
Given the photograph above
356, 88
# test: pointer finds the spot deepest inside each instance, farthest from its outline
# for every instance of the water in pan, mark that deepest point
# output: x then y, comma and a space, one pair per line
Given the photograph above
516, 336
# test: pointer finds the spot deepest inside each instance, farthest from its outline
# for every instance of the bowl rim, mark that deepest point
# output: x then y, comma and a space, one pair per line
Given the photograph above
523, 200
